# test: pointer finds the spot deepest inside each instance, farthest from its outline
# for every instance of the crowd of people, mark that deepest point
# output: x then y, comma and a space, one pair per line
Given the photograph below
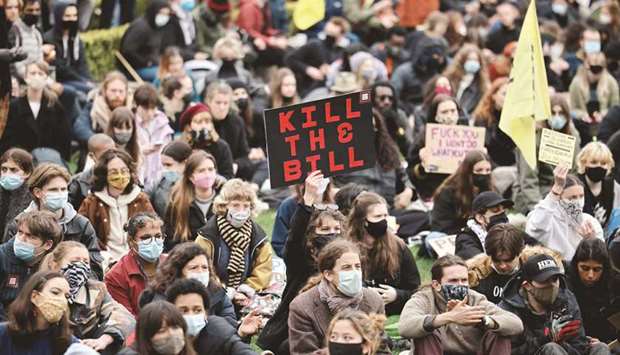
129, 205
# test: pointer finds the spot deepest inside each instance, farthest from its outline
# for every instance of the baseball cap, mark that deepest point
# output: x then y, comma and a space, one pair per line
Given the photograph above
489, 199
540, 268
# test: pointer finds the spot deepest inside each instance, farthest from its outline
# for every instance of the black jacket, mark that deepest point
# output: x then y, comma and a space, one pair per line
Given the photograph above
498, 39
24, 131
610, 124
79, 188
600, 206
467, 244
445, 215
222, 154
232, 130
313, 54
498, 144
425, 183
14, 273
533, 336
196, 220
12, 203
220, 338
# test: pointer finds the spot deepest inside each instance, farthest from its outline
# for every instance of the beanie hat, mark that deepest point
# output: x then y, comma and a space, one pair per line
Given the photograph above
219, 5
177, 150
190, 112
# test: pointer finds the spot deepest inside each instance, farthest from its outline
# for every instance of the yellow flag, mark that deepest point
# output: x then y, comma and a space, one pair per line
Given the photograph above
307, 13
527, 97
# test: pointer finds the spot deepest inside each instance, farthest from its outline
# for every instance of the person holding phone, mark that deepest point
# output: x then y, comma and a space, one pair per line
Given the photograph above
448, 316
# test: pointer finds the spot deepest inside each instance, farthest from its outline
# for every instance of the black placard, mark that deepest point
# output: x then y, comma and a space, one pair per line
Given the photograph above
334, 135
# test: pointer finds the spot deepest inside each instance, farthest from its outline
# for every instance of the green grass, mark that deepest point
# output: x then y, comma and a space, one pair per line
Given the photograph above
266, 220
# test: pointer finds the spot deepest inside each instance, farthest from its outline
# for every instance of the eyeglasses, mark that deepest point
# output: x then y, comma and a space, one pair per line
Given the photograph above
389, 98
148, 239
325, 207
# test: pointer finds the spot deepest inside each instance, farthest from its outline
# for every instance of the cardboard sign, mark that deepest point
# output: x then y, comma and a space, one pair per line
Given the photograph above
556, 148
333, 135
448, 145
444, 245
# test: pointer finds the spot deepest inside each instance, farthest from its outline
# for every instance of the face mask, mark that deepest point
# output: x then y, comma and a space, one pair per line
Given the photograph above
51, 308
604, 19
482, 181
573, 208
161, 20
376, 229
344, 349
557, 122
71, 26
559, 9
171, 345
151, 251
23, 251
596, 69
237, 218
30, 19
55, 201
319, 241
201, 136
350, 282
195, 323
36, 82
329, 40
440, 90
242, 104
76, 275
497, 219
595, 174
472, 66
11, 182
122, 138
203, 277
170, 175
187, 5
454, 292
204, 181
119, 181
592, 47
545, 296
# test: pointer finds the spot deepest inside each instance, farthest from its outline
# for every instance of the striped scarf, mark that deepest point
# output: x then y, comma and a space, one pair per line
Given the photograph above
238, 241
77, 275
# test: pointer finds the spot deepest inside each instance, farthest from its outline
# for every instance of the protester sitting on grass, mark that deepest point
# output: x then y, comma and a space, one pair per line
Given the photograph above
355, 332
15, 168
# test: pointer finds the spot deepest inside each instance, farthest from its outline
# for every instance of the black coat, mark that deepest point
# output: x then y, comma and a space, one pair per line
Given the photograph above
467, 244
313, 54
222, 154
24, 131
498, 39
425, 183
220, 338
12, 203
14, 273
79, 187
445, 216
498, 144
232, 130
196, 221
600, 206
610, 124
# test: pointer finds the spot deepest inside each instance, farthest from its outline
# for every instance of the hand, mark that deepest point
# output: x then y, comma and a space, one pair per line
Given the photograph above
57, 88
250, 325
425, 154
260, 44
315, 74
311, 191
381, 5
387, 293
241, 299
278, 42
597, 117
559, 178
403, 199
256, 154
463, 314
100, 343
325, 69
586, 230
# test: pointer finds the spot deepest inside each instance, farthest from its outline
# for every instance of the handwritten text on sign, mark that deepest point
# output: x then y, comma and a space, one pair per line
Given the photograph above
556, 148
448, 145
334, 135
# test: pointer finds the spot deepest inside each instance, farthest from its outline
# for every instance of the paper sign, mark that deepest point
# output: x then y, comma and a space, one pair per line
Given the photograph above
556, 148
444, 245
333, 135
448, 145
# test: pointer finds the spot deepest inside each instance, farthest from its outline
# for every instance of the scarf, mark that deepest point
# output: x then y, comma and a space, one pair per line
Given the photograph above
335, 300
478, 230
100, 114
76, 275
238, 241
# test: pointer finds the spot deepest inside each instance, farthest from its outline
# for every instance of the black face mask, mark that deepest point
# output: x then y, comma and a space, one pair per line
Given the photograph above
319, 241
72, 26
376, 229
329, 40
344, 349
228, 63
497, 219
596, 174
201, 136
30, 19
482, 182
488, 9
596, 69
242, 103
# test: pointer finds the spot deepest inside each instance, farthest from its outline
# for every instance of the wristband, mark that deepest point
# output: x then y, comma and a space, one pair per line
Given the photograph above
428, 323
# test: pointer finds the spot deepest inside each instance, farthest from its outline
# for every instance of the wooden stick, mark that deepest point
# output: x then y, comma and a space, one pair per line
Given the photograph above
129, 68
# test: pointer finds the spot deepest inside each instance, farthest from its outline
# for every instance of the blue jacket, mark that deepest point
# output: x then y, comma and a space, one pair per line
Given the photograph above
281, 226
39, 343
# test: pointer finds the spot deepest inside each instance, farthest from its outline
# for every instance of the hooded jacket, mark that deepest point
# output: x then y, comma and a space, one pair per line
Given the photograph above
533, 336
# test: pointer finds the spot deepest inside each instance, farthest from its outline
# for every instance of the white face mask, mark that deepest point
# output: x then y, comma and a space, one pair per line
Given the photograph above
203, 277
36, 82
161, 20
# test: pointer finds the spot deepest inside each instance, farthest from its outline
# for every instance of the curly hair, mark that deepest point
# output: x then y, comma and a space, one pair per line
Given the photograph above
233, 190
100, 172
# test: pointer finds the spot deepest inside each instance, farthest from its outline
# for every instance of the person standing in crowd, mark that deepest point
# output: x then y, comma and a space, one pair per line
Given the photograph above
550, 313
15, 169
94, 316
38, 320
558, 221
173, 158
192, 199
489, 272
114, 199
488, 210
449, 316
469, 77
452, 203
238, 246
355, 332
283, 89
590, 279
48, 186
131, 274
38, 234
199, 132
338, 286
390, 267
122, 128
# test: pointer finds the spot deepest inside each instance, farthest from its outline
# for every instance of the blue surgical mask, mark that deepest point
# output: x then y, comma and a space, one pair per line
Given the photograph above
22, 250
592, 47
557, 122
188, 5
472, 66
11, 182
559, 9
150, 251
170, 175
55, 201
195, 323
350, 282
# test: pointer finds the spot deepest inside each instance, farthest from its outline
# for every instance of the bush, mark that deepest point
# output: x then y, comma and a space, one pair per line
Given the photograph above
100, 46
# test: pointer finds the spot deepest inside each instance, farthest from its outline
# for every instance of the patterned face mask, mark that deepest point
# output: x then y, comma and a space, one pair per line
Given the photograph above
76, 275
574, 209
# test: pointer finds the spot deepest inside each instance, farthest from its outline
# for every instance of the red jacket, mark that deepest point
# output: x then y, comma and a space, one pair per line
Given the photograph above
254, 20
126, 281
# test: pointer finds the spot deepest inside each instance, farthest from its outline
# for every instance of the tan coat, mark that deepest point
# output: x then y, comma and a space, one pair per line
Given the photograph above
454, 338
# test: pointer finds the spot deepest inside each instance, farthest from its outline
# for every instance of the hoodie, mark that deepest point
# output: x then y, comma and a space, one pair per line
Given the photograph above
533, 336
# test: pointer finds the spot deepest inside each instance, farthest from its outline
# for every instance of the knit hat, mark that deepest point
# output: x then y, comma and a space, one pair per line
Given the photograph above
177, 150
190, 112
219, 5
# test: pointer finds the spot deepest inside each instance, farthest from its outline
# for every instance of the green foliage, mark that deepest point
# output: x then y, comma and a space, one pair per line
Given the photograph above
100, 46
